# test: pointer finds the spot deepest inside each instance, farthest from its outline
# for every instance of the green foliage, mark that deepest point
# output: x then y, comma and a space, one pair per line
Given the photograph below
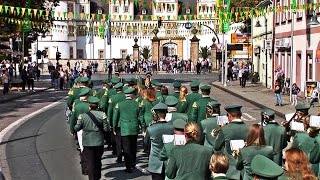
145, 52
205, 52
128, 57
244, 3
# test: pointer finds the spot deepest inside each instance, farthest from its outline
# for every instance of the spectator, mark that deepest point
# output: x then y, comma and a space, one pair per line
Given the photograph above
5, 81
24, 78
295, 91
277, 92
219, 164
297, 165
314, 96
30, 79
61, 78
240, 75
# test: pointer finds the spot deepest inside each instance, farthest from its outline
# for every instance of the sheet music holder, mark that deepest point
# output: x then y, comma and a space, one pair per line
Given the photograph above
236, 144
222, 120
297, 126
289, 116
315, 121
179, 140
167, 138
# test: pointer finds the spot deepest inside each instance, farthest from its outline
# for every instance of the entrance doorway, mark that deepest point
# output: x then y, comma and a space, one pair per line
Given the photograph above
169, 49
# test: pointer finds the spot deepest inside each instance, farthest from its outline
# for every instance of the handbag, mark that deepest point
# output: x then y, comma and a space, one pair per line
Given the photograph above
99, 125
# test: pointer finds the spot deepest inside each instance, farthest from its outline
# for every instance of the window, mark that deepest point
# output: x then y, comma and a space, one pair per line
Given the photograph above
169, 8
79, 53
82, 9
71, 52
101, 54
310, 66
126, 9
123, 53
47, 50
70, 30
70, 7
81, 31
115, 9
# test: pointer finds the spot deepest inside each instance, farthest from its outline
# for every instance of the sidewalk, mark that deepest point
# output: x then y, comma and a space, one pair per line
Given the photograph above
43, 84
262, 97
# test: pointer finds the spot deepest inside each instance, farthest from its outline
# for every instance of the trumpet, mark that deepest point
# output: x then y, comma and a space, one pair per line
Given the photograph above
216, 131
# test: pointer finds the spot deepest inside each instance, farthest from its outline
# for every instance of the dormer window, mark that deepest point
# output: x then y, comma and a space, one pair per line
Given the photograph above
188, 11
143, 11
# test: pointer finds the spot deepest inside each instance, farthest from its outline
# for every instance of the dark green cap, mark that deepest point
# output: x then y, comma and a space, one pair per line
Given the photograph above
84, 91
128, 80
304, 108
115, 80
106, 81
267, 112
83, 79
179, 124
153, 81
118, 85
171, 101
233, 108
194, 84
93, 100
265, 168
129, 90
176, 84
205, 88
160, 106
213, 104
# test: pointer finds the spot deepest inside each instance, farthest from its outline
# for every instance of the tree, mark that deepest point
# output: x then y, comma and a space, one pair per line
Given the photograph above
205, 52
128, 58
244, 3
146, 52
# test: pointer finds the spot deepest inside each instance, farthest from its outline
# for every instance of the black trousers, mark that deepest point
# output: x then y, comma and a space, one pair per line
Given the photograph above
24, 82
118, 144
156, 176
129, 144
30, 82
92, 156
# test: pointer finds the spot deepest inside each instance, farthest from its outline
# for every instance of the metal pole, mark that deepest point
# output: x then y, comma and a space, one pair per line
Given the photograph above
226, 63
222, 60
266, 51
291, 58
37, 52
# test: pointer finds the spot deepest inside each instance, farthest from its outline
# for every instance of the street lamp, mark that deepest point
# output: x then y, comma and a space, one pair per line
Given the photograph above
314, 21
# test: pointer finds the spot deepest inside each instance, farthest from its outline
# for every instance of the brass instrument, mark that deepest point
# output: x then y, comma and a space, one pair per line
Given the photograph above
286, 124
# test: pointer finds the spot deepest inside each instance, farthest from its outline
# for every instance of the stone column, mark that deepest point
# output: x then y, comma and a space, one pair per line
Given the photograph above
194, 49
214, 61
155, 49
135, 50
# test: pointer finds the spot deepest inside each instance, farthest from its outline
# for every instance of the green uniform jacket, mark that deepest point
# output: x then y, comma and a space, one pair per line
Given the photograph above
92, 92
126, 117
182, 106
235, 130
104, 101
154, 137
164, 154
80, 107
158, 93
246, 155
207, 126
112, 92
276, 137
101, 92
190, 99
314, 153
73, 94
113, 101
189, 162
92, 136
146, 114
162, 98
303, 141
199, 109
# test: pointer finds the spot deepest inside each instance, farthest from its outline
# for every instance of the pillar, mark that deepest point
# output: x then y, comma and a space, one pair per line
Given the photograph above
214, 61
194, 49
155, 49
135, 50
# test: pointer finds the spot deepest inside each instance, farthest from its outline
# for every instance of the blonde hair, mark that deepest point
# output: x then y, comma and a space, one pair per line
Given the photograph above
192, 131
183, 93
219, 163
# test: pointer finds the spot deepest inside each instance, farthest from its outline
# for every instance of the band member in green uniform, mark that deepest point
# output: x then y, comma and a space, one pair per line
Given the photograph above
264, 168
173, 114
176, 89
93, 138
105, 87
193, 97
126, 119
235, 130
198, 112
154, 137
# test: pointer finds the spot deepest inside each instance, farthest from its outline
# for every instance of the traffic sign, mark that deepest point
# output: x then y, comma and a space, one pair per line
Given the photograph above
226, 27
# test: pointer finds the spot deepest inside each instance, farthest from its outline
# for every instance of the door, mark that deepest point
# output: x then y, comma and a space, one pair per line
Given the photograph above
165, 51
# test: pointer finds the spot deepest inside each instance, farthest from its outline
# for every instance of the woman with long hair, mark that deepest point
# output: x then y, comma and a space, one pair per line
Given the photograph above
192, 160
297, 165
256, 144
182, 103
147, 104
164, 93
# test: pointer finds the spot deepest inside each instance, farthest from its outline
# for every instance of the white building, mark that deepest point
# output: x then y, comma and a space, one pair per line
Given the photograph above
75, 33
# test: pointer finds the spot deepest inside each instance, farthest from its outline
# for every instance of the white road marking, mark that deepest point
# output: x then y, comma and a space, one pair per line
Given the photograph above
248, 117
20, 121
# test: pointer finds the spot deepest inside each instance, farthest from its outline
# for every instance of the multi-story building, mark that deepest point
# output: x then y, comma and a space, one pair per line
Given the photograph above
81, 39
302, 64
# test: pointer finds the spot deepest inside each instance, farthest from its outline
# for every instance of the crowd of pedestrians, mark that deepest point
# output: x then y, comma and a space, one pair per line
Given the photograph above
184, 135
